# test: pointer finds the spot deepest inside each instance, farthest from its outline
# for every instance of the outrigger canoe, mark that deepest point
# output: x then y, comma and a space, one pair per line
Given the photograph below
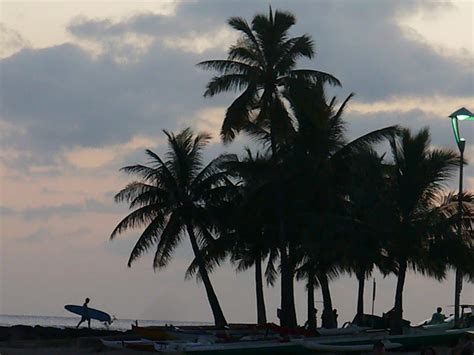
153, 333
416, 340
237, 348
348, 348
143, 344
207, 335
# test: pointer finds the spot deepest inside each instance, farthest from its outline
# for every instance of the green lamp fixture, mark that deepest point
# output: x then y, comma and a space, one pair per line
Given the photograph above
463, 114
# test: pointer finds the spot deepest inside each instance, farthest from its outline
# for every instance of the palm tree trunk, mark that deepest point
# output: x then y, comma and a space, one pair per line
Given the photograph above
219, 318
328, 315
288, 311
360, 297
312, 322
261, 312
395, 320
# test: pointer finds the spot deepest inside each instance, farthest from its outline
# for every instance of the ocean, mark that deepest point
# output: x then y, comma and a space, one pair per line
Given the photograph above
71, 322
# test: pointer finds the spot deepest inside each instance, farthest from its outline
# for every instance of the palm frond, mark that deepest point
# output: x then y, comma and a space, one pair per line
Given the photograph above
237, 114
242, 25
132, 191
294, 49
148, 238
367, 140
213, 172
227, 82
137, 218
226, 66
168, 241
314, 76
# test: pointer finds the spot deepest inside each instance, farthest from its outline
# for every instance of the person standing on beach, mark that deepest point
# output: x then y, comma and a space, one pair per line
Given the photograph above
335, 315
85, 314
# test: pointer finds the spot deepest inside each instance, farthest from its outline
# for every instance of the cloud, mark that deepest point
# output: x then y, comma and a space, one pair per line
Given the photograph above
61, 97
12, 41
350, 37
434, 105
38, 235
87, 157
5, 211
199, 43
63, 210
132, 37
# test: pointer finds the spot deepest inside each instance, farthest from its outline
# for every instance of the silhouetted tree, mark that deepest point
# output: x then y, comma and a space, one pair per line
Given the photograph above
174, 196
321, 159
418, 176
261, 63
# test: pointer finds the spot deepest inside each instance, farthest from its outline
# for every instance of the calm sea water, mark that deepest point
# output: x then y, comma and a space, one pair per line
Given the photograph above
68, 322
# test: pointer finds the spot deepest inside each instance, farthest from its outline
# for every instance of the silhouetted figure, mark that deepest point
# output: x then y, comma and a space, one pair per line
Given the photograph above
325, 318
335, 315
307, 323
85, 314
389, 318
438, 317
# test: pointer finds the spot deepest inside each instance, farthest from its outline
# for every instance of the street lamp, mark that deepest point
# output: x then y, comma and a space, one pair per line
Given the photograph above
462, 114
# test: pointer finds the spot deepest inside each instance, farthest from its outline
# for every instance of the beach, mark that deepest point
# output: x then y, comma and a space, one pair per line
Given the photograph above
23, 339
64, 351
38, 340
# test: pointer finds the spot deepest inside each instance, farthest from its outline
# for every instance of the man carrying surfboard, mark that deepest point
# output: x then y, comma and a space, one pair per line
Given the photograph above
88, 313
85, 314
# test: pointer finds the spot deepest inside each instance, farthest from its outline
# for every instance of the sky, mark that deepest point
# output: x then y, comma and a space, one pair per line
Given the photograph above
87, 86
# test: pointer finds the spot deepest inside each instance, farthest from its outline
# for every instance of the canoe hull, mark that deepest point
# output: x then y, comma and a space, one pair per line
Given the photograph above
254, 348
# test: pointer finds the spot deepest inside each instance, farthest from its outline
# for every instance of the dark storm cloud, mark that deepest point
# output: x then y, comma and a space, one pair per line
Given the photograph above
62, 97
359, 41
65, 98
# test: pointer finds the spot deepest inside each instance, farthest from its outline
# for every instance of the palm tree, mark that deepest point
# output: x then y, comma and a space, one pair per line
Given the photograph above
248, 235
320, 159
251, 250
175, 196
367, 194
262, 63
318, 266
311, 283
446, 247
255, 235
418, 175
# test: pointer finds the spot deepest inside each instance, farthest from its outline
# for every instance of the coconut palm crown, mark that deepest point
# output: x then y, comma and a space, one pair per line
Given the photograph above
261, 63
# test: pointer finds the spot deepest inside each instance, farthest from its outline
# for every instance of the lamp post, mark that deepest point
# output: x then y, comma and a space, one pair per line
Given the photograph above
462, 114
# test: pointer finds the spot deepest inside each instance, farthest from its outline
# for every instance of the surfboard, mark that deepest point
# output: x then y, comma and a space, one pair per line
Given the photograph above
92, 313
